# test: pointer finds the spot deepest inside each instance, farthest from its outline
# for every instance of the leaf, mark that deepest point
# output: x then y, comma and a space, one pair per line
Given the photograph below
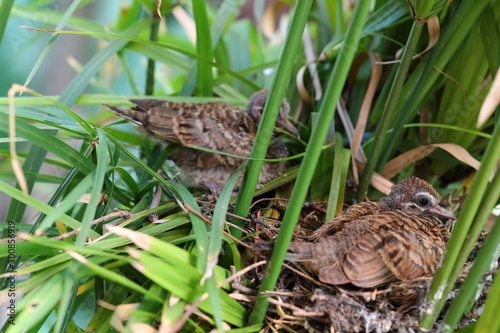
490, 103
393, 167
46, 49
355, 140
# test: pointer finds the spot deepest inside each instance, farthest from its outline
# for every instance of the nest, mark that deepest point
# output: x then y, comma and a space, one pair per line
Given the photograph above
301, 303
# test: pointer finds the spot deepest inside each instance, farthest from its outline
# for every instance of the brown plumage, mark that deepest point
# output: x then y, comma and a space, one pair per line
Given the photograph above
218, 126
400, 238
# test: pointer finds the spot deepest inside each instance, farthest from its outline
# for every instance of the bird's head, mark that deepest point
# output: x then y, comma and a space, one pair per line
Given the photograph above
415, 195
256, 107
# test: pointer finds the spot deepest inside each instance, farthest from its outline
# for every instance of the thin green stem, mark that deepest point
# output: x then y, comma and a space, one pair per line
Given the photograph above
5, 8
204, 77
339, 176
448, 272
488, 322
271, 110
486, 256
389, 110
150, 74
425, 77
326, 112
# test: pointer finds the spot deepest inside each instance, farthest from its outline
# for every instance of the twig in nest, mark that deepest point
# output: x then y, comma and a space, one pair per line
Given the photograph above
280, 304
153, 217
308, 277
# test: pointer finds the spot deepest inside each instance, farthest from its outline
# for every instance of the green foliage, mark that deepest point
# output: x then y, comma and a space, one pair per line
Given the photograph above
178, 272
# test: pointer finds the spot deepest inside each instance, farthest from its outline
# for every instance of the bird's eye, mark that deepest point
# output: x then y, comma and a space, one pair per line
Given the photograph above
424, 202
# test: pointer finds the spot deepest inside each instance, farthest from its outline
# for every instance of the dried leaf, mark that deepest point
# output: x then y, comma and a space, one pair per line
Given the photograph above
158, 9
311, 65
378, 181
434, 32
394, 166
381, 183
490, 102
270, 22
357, 151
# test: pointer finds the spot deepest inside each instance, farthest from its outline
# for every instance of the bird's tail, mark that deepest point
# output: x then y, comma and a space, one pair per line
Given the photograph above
300, 251
137, 116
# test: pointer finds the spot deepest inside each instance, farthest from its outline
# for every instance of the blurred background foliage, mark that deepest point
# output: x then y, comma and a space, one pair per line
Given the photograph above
404, 76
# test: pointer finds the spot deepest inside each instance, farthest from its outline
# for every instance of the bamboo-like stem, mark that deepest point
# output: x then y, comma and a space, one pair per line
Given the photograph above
389, 110
488, 322
448, 272
204, 77
271, 111
486, 256
150, 71
425, 76
5, 8
326, 112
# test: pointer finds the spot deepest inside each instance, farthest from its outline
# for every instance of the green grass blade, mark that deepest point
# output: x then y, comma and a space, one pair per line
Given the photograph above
147, 311
326, 112
185, 286
390, 110
271, 110
38, 205
215, 243
489, 322
425, 76
48, 142
490, 34
180, 191
5, 8
112, 276
45, 51
66, 305
80, 82
446, 274
485, 260
100, 321
339, 178
44, 299
204, 82
69, 201
150, 71
97, 185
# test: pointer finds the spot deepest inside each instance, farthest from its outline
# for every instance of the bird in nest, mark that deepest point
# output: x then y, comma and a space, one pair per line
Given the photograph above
400, 238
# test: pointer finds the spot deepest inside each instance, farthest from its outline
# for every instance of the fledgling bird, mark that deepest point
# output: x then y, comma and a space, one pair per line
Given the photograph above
216, 125
400, 238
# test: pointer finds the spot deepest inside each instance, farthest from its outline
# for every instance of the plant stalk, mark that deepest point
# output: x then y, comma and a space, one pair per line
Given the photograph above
389, 111
452, 261
325, 116
271, 111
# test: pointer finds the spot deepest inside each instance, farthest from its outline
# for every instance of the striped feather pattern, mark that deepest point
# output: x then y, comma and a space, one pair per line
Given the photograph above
400, 238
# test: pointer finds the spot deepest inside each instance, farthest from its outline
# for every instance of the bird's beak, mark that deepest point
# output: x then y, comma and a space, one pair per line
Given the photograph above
439, 211
287, 126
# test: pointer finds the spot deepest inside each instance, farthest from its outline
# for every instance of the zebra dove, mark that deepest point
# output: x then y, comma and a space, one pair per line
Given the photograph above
400, 238
217, 126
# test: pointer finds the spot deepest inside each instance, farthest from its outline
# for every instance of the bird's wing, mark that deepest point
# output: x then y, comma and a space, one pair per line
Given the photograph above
395, 246
322, 258
352, 213
217, 126
220, 127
